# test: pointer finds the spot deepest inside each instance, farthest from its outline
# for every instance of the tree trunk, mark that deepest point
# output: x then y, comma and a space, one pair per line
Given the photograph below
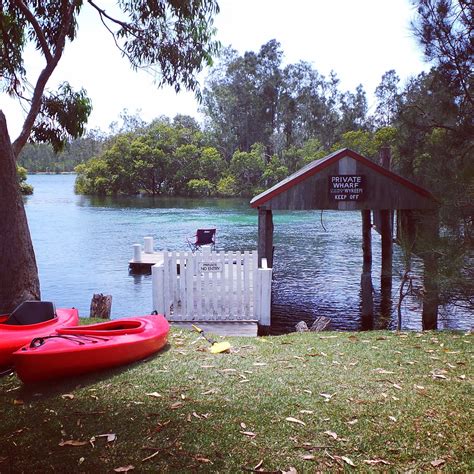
18, 271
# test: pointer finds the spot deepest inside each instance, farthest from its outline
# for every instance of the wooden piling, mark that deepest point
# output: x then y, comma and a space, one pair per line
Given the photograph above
366, 277
101, 306
430, 235
265, 237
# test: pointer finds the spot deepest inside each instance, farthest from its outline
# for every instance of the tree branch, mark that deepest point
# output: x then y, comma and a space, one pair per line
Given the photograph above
43, 78
39, 32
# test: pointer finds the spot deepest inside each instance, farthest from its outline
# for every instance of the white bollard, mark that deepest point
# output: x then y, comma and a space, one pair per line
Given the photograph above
137, 253
148, 244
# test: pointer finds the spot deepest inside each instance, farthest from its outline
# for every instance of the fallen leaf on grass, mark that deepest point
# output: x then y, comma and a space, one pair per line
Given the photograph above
327, 396
383, 371
392, 418
176, 405
68, 396
124, 468
295, 420
202, 459
352, 422
438, 462
259, 364
73, 442
250, 434
18, 402
110, 437
348, 461
308, 412
373, 462
308, 457
154, 394
439, 376
331, 434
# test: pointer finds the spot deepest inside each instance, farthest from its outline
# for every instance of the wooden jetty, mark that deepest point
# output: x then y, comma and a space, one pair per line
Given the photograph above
346, 180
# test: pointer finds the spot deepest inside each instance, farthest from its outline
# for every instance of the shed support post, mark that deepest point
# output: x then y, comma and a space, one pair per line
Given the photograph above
386, 273
430, 275
366, 277
265, 237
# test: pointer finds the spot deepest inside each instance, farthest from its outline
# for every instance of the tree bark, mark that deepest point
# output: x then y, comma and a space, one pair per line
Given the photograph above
18, 271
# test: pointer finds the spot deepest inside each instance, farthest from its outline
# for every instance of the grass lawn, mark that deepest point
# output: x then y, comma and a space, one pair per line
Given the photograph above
296, 403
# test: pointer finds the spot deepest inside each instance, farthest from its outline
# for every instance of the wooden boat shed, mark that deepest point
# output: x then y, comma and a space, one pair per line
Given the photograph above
346, 180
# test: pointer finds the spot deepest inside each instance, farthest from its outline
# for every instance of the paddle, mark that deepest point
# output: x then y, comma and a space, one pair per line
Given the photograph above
216, 347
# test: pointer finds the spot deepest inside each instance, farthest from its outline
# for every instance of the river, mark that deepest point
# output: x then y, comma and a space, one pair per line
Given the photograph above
83, 245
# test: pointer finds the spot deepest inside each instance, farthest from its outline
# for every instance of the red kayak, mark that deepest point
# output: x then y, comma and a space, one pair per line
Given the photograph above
82, 349
31, 319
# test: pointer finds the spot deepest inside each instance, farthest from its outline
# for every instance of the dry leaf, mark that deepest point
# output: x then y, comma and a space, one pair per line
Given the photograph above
200, 458
373, 462
392, 418
243, 426
348, 461
295, 420
258, 466
327, 396
291, 470
438, 462
331, 434
308, 412
73, 442
154, 394
250, 434
18, 402
68, 396
439, 376
308, 457
110, 437
176, 405
124, 468
383, 371
353, 422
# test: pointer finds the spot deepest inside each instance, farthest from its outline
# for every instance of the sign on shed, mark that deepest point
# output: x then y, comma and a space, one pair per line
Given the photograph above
350, 187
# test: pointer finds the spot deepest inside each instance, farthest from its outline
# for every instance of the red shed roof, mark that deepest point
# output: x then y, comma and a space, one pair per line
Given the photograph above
318, 165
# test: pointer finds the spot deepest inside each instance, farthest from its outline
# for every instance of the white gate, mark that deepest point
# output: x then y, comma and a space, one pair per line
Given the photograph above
212, 286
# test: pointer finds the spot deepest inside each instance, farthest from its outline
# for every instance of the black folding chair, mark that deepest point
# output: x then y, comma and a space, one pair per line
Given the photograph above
203, 237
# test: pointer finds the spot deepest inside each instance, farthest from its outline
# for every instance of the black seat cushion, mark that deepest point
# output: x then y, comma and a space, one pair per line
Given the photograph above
32, 312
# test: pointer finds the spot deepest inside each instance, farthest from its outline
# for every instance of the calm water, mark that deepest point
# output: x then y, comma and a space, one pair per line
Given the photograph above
83, 245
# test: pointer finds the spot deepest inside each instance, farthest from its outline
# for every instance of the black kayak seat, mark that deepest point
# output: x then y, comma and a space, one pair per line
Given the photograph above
32, 312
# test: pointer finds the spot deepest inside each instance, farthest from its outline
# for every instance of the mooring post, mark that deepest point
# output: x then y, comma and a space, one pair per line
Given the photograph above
265, 237
386, 232
366, 277
430, 237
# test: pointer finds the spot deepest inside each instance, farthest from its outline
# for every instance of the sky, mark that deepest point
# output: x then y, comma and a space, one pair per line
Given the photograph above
358, 39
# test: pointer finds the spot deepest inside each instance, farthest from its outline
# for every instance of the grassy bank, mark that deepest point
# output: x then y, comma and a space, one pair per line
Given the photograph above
328, 401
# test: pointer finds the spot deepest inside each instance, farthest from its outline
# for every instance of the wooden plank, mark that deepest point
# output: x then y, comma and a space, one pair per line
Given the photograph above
238, 289
198, 286
189, 272
222, 328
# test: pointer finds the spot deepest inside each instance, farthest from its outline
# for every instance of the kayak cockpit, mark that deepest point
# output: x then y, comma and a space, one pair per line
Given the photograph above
30, 312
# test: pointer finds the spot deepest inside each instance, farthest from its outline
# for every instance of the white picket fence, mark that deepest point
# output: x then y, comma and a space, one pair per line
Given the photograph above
212, 286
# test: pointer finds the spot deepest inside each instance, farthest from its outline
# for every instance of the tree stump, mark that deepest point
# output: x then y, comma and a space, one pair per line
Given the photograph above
320, 324
101, 306
301, 327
